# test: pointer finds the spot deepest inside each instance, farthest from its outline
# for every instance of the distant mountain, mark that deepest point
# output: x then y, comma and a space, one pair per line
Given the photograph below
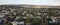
30, 6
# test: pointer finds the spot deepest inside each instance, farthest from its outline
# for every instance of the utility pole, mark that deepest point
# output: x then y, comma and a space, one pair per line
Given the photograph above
44, 21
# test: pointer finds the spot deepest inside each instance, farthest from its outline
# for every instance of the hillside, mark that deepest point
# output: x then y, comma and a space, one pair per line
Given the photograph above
30, 6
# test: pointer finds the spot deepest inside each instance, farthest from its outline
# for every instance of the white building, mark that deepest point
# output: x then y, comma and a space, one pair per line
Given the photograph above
18, 23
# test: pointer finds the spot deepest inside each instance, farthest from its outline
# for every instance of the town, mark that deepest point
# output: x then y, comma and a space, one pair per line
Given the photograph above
17, 15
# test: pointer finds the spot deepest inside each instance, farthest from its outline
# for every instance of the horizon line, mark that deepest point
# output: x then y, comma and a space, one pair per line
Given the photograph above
30, 4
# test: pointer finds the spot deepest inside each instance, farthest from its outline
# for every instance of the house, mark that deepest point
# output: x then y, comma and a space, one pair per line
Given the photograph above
18, 23
2, 15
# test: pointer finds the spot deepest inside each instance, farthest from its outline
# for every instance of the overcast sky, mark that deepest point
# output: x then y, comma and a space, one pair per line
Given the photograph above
34, 2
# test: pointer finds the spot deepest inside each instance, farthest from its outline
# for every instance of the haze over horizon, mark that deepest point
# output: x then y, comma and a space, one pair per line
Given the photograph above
32, 2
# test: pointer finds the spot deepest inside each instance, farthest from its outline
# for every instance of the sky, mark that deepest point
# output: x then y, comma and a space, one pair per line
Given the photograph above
32, 2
